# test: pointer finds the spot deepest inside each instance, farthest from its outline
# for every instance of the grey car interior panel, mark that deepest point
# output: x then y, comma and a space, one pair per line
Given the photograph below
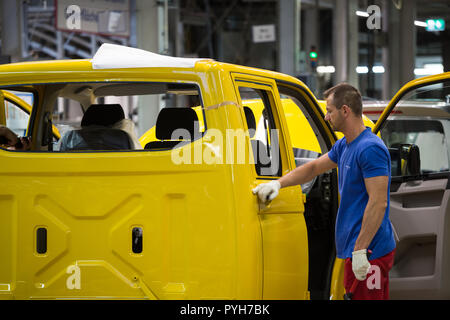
421, 222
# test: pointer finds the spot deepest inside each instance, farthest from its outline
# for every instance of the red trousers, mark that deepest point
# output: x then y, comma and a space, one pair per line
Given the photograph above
376, 285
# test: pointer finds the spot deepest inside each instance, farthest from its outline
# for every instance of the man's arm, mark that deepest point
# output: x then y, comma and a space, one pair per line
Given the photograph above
374, 213
268, 191
307, 171
8, 135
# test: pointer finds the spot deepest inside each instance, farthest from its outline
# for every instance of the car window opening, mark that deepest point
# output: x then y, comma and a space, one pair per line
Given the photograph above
97, 117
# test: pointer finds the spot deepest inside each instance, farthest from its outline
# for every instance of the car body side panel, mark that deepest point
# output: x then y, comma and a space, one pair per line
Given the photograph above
187, 232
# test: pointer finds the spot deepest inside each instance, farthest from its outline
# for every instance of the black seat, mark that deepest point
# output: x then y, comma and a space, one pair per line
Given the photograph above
96, 132
260, 154
171, 119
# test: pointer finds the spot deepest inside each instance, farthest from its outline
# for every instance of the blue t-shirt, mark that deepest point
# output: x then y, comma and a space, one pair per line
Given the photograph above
364, 157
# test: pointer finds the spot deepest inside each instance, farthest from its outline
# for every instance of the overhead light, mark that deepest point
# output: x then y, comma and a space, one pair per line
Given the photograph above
362, 14
362, 69
378, 69
420, 23
325, 69
429, 69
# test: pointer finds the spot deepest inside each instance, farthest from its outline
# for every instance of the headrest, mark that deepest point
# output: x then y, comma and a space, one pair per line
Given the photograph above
170, 119
102, 115
251, 122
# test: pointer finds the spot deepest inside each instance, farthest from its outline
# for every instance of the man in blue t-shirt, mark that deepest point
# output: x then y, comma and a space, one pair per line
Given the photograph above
364, 167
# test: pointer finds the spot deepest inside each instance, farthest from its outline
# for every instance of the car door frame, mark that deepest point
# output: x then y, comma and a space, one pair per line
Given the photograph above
334, 288
283, 228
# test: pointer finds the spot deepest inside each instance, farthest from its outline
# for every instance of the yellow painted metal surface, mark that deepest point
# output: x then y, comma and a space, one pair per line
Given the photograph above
188, 237
337, 290
205, 235
285, 260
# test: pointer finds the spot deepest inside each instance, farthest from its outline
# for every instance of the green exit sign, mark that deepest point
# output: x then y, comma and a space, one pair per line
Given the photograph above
435, 25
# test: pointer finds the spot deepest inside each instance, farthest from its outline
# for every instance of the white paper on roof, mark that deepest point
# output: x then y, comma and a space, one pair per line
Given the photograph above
113, 56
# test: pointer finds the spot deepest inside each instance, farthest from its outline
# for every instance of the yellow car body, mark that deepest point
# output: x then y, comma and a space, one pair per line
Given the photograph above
205, 235
201, 241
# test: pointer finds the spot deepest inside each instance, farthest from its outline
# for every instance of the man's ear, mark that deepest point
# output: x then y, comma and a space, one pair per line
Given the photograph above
345, 108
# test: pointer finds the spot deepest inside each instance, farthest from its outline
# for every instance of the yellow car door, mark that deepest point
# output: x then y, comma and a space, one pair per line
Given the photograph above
283, 227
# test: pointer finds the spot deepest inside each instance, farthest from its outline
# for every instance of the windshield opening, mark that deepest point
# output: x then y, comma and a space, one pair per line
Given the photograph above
428, 135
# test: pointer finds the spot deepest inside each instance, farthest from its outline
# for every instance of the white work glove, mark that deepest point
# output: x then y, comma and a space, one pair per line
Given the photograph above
360, 264
267, 191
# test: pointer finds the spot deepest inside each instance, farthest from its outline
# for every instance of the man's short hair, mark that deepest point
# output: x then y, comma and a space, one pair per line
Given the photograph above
343, 93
